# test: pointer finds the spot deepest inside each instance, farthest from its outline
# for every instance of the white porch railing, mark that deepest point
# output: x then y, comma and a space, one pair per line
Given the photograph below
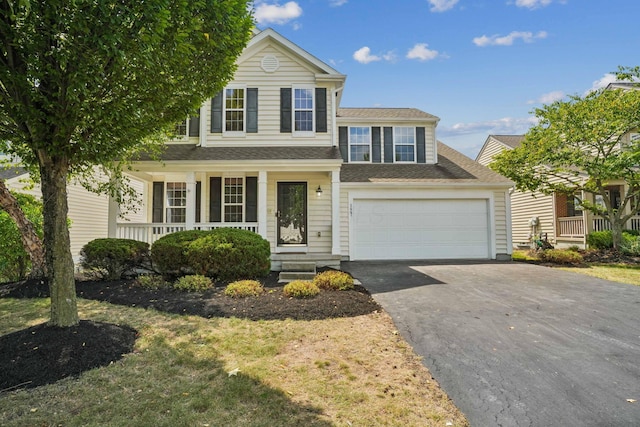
572, 226
150, 232
601, 224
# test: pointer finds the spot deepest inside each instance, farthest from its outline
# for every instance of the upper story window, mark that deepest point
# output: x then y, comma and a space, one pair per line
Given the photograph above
176, 202
234, 106
359, 144
303, 109
233, 199
404, 144
181, 128
188, 127
634, 137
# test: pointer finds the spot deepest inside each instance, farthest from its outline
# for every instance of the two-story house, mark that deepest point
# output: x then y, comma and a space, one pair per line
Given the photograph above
276, 154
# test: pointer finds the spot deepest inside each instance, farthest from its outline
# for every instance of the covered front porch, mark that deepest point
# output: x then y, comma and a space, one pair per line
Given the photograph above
573, 224
297, 209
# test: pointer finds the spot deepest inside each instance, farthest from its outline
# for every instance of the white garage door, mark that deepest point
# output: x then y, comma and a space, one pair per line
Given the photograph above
419, 229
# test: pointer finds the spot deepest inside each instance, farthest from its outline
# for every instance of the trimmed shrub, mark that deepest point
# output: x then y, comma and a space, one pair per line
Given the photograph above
244, 288
193, 283
630, 244
14, 260
301, 289
150, 281
230, 254
600, 240
111, 258
333, 280
169, 253
560, 256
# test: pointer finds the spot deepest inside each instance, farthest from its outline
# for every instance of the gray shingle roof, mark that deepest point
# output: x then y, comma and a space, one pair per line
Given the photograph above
385, 113
11, 172
511, 140
452, 167
191, 152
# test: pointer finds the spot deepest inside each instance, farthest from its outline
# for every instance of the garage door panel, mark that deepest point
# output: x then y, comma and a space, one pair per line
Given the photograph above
419, 229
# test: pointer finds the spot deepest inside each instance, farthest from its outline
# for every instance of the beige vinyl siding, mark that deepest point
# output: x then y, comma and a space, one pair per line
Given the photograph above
318, 209
430, 142
139, 214
492, 148
344, 223
500, 223
526, 205
291, 72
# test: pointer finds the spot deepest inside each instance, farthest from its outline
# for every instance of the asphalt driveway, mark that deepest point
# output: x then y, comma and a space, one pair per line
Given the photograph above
515, 344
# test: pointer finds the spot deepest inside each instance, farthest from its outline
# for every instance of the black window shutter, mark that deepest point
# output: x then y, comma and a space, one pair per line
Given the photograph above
215, 199
252, 198
420, 147
194, 124
158, 202
376, 151
216, 113
285, 110
343, 142
252, 110
321, 109
198, 199
388, 145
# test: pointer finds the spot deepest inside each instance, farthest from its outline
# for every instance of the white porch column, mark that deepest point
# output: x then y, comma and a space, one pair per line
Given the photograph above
262, 203
191, 201
113, 213
335, 212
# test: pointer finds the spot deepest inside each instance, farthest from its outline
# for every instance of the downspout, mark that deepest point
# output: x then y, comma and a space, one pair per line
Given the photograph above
334, 112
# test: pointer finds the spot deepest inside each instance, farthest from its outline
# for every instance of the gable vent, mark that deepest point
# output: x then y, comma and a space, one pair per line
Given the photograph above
270, 63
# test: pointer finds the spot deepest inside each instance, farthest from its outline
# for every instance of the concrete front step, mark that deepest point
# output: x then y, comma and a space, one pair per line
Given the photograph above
288, 276
303, 266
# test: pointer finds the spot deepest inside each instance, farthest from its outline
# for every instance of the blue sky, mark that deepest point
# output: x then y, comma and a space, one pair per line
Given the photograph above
481, 66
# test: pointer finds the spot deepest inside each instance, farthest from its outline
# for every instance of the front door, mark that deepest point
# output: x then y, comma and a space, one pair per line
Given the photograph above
292, 213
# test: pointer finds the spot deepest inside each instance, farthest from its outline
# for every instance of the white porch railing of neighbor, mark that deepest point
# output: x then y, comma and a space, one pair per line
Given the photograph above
150, 232
601, 224
572, 226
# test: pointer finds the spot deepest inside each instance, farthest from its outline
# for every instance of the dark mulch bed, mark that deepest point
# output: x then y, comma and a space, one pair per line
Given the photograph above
43, 354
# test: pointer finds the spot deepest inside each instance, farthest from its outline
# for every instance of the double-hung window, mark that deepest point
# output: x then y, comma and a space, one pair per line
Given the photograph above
404, 143
359, 144
303, 104
176, 202
233, 199
234, 107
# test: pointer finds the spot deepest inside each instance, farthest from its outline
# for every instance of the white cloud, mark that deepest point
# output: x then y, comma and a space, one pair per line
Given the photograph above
275, 13
422, 53
337, 3
548, 98
503, 126
508, 40
603, 82
364, 56
442, 5
532, 4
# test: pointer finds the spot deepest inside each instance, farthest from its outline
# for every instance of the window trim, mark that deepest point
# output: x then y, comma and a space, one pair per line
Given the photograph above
168, 207
232, 133
303, 133
224, 203
350, 144
396, 144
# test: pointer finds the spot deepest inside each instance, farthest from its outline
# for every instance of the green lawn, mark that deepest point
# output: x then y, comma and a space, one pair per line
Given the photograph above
616, 272
336, 372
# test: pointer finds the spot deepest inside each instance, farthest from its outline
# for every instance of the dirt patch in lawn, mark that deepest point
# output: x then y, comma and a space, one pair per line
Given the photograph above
44, 354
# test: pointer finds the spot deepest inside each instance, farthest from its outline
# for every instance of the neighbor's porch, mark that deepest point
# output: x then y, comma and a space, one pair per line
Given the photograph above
573, 224
298, 212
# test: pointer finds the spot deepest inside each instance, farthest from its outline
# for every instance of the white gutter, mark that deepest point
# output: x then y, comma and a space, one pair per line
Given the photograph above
334, 112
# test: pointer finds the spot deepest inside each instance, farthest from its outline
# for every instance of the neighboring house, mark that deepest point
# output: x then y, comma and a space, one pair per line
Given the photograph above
88, 212
558, 216
274, 153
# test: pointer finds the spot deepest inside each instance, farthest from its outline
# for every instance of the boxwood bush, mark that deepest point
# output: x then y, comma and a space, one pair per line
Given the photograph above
560, 256
301, 289
604, 240
334, 280
193, 283
169, 253
230, 254
112, 258
244, 288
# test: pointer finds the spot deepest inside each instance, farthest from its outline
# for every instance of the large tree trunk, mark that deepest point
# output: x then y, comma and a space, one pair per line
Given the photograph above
616, 231
53, 176
30, 240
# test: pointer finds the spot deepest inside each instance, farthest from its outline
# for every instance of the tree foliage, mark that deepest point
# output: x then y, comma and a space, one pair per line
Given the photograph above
583, 144
82, 83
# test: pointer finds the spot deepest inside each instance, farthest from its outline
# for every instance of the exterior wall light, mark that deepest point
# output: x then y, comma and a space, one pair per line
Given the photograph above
319, 191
